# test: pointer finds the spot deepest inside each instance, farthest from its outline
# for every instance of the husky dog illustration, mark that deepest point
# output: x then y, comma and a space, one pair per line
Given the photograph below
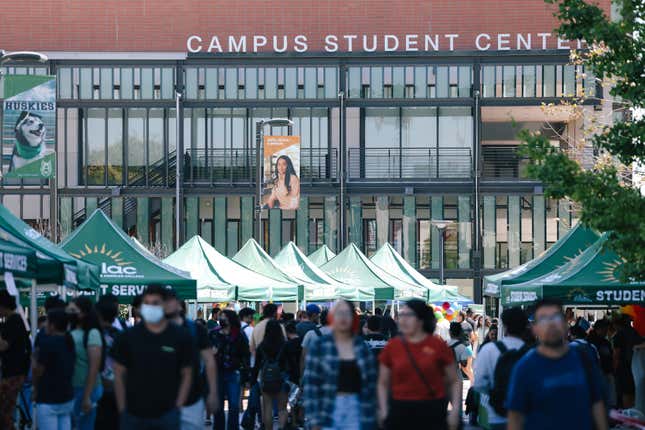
30, 145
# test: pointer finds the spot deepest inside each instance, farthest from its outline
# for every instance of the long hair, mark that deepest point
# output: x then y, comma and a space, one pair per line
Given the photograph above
233, 322
287, 175
273, 338
58, 320
355, 319
91, 319
423, 312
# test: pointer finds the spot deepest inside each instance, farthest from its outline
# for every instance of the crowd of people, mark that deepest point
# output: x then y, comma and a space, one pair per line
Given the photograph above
336, 368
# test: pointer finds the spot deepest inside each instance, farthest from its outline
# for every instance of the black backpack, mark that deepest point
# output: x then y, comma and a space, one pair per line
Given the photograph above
503, 370
272, 379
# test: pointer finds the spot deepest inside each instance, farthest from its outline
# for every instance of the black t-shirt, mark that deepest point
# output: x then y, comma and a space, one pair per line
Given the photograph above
625, 340
293, 350
605, 352
153, 363
16, 359
199, 337
56, 354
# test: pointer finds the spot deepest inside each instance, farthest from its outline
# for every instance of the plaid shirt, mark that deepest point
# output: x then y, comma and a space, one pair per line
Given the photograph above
320, 382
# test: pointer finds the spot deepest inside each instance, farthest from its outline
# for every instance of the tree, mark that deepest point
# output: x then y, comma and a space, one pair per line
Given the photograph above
604, 193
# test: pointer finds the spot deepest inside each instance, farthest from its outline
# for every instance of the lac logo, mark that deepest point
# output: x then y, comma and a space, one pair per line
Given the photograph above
115, 266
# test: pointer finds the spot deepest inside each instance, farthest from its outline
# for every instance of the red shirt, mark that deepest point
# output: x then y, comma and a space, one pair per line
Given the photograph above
432, 355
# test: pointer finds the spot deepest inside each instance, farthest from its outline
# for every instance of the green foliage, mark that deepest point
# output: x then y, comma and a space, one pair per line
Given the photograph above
617, 56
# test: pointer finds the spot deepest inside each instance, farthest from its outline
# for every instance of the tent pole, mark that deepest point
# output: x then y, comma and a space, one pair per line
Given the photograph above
33, 310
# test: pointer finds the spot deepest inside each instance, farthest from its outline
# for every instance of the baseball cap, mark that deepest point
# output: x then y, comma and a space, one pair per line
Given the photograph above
313, 309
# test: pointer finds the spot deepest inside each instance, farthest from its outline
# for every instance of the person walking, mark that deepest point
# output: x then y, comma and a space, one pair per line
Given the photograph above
417, 375
485, 368
90, 358
52, 372
107, 417
152, 368
374, 339
246, 322
232, 357
624, 341
15, 353
203, 380
462, 352
555, 385
310, 320
598, 338
271, 369
340, 376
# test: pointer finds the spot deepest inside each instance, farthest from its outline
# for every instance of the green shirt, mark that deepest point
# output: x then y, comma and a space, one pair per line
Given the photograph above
81, 367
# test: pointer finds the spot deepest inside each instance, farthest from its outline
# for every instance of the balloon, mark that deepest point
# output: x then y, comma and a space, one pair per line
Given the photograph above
638, 317
445, 305
450, 312
450, 317
438, 316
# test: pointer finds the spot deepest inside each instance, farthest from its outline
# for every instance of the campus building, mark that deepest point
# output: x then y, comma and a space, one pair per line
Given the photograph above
408, 111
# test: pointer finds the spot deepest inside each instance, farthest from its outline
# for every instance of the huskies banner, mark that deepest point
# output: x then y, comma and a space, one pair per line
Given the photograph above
281, 172
29, 126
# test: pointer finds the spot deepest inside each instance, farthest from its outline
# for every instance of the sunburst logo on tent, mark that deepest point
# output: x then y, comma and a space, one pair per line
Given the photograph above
344, 273
115, 256
609, 271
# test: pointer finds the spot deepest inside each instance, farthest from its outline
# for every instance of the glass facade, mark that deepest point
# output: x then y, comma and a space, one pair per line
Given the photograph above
405, 139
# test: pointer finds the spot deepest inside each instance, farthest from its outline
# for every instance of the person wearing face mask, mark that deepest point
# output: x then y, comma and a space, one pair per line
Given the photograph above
192, 415
232, 355
90, 360
152, 368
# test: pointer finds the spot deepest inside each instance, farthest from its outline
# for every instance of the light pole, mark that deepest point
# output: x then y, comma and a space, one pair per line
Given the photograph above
178, 166
259, 136
441, 226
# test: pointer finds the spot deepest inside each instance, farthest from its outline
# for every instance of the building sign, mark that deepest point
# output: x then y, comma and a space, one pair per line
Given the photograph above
331, 43
281, 172
29, 126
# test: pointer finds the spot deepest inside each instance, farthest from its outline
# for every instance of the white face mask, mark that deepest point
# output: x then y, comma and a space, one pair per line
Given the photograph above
151, 313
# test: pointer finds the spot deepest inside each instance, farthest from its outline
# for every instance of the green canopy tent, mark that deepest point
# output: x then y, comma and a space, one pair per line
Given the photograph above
352, 267
27, 263
75, 274
321, 255
220, 279
253, 257
393, 263
588, 279
569, 246
126, 270
319, 286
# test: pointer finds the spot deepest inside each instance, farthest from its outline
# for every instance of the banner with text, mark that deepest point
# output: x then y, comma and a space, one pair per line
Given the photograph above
29, 126
281, 172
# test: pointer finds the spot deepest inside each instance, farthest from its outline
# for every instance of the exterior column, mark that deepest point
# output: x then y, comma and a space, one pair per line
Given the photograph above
331, 222
117, 211
275, 232
382, 220
514, 220
143, 220
464, 231
410, 230
539, 225
564, 213
247, 212
90, 206
436, 212
489, 234
356, 220
65, 218
302, 225
167, 221
192, 216
219, 224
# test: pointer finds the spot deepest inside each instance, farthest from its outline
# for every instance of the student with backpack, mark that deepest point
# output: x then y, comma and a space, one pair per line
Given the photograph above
203, 383
555, 386
15, 352
271, 369
463, 353
232, 357
90, 361
492, 374
53, 368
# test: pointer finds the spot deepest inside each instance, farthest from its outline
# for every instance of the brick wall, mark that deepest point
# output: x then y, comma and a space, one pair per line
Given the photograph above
165, 25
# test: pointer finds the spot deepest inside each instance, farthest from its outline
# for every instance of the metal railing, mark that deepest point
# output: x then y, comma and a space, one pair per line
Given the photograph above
209, 166
409, 163
503, 162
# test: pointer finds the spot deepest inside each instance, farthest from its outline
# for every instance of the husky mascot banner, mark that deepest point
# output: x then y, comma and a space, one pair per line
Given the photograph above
29, 126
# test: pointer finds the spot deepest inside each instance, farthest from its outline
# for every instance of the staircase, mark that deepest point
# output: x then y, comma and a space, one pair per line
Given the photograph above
158, 176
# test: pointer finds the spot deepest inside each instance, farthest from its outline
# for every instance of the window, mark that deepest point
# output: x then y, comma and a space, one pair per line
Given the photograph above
424, 250
316, 231
136, 144
95, 138
369, 236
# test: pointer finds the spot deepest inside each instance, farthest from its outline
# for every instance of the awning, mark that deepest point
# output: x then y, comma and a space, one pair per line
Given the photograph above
568, 247
321, 255
76, 274
25, 262
393, 263
220, 279
588, 279
253, 257
352, 267
126, 269
319, 286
